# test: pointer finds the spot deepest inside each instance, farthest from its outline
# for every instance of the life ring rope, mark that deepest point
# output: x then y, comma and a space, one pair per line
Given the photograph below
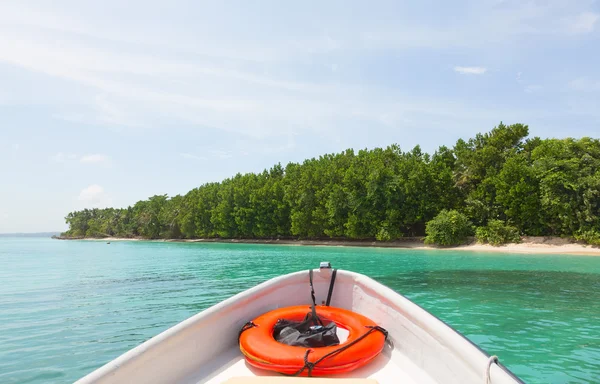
246, 327
262, 350
310, 366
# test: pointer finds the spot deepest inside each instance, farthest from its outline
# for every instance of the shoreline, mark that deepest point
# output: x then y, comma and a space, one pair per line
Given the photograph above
529, 244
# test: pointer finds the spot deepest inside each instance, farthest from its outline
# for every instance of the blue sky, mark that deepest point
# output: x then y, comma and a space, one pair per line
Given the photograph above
109, 102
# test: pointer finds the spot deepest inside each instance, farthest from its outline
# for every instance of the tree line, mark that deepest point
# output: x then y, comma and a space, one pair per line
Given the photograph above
538, 186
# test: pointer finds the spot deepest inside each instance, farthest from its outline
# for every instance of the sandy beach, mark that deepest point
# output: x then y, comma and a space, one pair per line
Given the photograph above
529, 245
535, 248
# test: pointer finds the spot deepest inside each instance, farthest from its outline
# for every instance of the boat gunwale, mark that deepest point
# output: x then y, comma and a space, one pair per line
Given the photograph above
484, 352
147, 345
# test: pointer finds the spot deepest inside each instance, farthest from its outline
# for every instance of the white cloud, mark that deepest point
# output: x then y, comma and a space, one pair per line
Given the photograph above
94, 158
61, 157
582, 23
220, 154
533, 88
191, 156
91, 193
16, 147
584, 84
519, 76
147, 71
94, 196
470, 70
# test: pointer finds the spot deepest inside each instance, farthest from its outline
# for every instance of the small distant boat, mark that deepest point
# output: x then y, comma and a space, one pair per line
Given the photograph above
206, 348
108, 242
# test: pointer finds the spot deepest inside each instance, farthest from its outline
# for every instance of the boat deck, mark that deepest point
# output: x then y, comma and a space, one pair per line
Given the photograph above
204, 350
389, 367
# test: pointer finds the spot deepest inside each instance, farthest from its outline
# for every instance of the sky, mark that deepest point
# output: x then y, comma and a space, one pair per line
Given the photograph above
109, 102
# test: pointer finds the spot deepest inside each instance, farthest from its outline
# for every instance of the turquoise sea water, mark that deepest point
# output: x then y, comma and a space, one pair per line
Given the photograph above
68, 307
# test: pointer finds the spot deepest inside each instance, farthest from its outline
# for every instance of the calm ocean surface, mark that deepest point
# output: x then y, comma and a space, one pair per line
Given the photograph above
68, 307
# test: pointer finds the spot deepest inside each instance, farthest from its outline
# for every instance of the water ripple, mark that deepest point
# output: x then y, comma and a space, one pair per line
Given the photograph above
69, 307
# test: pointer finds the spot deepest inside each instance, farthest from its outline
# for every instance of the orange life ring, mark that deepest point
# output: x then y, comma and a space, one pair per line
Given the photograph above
263, 351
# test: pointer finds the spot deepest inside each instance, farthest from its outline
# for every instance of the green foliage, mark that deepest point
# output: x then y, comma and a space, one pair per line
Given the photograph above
591, 236
497, 232
568, 171
448, 228
518, 194
383, 235
387, 233
479, 161
542, 187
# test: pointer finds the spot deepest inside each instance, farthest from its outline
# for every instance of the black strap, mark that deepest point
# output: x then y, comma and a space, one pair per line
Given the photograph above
310, 366
246, 327
312, 295
331, 287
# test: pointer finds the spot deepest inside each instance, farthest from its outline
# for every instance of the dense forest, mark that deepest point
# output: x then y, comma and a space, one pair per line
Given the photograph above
497, 180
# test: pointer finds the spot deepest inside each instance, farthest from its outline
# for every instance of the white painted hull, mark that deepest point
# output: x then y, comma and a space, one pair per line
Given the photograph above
203, 348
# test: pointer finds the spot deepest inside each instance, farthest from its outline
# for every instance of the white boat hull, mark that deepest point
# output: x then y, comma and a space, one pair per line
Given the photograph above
203, 348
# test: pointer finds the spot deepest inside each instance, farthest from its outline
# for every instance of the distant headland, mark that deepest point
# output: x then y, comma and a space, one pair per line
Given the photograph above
500, 187
30, 234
